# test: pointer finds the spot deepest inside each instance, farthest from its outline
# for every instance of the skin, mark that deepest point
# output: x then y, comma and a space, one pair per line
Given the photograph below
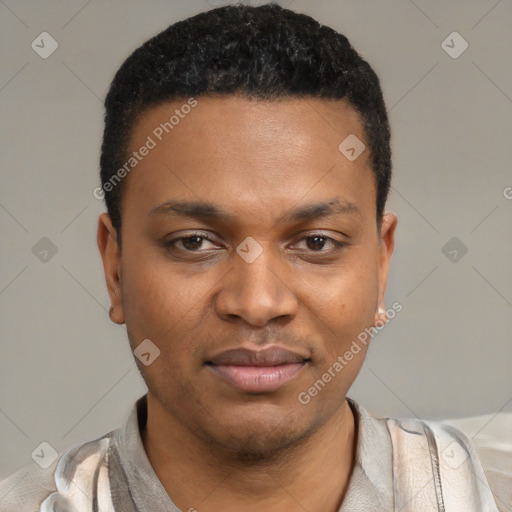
212, 446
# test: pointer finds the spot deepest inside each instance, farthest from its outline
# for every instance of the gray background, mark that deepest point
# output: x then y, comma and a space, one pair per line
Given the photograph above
66, 372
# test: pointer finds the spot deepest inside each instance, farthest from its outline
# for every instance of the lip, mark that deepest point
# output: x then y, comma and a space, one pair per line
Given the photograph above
257, 371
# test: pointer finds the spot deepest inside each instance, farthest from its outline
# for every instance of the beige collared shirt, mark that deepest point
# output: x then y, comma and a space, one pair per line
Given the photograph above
405, 465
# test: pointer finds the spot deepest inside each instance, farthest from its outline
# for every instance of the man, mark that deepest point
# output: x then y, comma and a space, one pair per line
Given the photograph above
245, 166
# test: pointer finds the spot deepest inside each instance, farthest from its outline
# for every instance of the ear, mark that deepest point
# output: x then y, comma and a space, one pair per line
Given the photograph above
107, 245
386, 246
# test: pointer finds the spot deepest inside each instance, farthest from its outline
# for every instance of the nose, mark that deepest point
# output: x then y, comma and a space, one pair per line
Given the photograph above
257, 292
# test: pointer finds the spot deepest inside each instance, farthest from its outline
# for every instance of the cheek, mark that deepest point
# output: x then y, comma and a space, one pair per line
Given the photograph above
153, 300
345, 307
348, 293
162, 305
360, 296
158, 309
343, 314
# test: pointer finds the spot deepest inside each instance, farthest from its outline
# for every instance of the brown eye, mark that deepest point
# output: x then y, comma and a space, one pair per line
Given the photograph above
317, 242
192, 242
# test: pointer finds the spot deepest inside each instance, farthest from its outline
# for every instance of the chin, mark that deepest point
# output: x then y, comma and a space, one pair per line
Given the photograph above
255, 440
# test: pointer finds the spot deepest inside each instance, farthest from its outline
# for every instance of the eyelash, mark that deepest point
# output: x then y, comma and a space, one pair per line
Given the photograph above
337, 244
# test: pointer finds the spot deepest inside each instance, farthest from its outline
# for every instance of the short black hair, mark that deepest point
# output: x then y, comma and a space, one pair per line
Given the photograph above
265, 52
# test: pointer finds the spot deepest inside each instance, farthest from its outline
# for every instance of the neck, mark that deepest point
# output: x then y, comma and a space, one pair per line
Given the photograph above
312, 475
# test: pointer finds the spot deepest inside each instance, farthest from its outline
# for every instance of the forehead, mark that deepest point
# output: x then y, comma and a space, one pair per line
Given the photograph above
297, 119
247, 153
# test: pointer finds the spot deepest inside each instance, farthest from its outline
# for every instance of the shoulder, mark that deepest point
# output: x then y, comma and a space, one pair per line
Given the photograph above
27, 487
462, 471
31, 486
491, 436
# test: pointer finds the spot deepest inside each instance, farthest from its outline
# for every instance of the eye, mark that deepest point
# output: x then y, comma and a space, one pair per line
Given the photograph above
315, 242
191, 243
195, 243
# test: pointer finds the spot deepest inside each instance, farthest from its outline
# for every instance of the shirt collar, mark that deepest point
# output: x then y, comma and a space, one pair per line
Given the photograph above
371, 484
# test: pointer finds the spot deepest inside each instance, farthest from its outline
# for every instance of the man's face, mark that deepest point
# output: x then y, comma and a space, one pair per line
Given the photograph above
191, 285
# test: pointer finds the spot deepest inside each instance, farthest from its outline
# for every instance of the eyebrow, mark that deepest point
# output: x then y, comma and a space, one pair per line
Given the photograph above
210, 212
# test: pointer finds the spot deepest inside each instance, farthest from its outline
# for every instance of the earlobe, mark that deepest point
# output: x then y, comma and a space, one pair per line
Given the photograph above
109, 251
381, 317
113, 317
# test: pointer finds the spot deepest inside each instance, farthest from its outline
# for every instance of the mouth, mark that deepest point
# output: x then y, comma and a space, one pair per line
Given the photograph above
260, 371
